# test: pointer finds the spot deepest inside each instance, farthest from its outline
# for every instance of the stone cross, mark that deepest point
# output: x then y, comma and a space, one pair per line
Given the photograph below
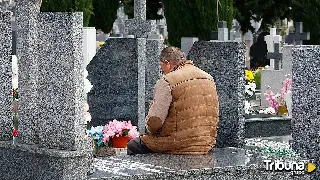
298, 35
270, 40
276, 55
139, 26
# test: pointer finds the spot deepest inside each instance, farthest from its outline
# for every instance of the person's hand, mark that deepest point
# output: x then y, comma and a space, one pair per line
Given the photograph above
154, 124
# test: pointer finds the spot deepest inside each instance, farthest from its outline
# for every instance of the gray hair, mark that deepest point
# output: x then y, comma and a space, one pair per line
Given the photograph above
173, 55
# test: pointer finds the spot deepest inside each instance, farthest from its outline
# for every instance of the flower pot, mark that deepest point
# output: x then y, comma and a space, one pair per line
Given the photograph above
120, 142
283, 111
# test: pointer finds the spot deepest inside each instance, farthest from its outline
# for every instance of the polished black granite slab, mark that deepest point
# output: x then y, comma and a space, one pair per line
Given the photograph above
224, 163
266, 127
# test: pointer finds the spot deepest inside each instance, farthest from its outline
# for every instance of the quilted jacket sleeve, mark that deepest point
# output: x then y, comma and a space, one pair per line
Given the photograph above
159, 107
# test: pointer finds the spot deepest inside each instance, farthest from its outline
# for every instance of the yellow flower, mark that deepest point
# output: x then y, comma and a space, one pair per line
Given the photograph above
249, 75
101, 44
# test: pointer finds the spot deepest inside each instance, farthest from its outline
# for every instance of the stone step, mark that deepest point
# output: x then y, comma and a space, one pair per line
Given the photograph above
221, 163
266, 127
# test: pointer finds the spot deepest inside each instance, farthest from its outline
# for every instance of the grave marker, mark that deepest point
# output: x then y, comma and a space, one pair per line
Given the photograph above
298, 35
56, 148
5, 76
277, 56
139, 26
274, 78
306, 103
227, 70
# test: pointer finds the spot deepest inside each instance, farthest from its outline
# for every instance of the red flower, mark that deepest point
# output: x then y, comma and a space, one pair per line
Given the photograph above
14, 93
15, 133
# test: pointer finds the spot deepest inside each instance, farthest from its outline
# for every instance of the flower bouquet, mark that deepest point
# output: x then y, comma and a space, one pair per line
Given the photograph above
118, 133
106, 140
250, 88
278, 102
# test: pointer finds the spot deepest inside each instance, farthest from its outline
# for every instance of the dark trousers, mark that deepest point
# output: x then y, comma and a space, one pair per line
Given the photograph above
136, 146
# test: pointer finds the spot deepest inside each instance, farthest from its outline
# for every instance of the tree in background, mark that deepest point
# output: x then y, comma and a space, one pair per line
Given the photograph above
84, 6
308, 11
153, 7
266, 11
226, 12
104, 14
196, 18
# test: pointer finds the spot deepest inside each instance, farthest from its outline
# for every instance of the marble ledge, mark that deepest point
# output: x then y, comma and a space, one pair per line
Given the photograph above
268, 119
43, 151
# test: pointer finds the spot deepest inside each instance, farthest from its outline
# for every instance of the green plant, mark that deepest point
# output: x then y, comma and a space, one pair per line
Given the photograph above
257, 78
196, 18
105, 13
84, 6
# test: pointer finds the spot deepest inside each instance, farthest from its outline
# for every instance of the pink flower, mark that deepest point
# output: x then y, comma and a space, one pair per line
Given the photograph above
117, 128
271, 98
287, 84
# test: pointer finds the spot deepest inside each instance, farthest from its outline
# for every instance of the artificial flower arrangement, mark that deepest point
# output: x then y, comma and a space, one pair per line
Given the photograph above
250, 88
279, 102
116, 134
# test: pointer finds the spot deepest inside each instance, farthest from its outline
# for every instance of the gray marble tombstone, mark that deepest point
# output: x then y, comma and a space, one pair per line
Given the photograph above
56, 148
306, 103
117, 73
274, 78
5, 77
227, 68
61, 80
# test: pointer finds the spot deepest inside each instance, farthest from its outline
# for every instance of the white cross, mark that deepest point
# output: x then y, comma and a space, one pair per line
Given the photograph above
270, 40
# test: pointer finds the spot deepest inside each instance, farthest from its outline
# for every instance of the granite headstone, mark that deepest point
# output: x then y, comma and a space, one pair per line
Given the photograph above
61, 80
274, 78
306, 103
5, 76
227, 68
117, 73
58, 148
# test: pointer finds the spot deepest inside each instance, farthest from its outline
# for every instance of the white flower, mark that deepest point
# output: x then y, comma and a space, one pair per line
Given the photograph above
267, 66
248, 90
253, 86
247, 107
269, 110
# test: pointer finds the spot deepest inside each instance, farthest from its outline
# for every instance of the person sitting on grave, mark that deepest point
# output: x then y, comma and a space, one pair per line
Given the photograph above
183, 116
